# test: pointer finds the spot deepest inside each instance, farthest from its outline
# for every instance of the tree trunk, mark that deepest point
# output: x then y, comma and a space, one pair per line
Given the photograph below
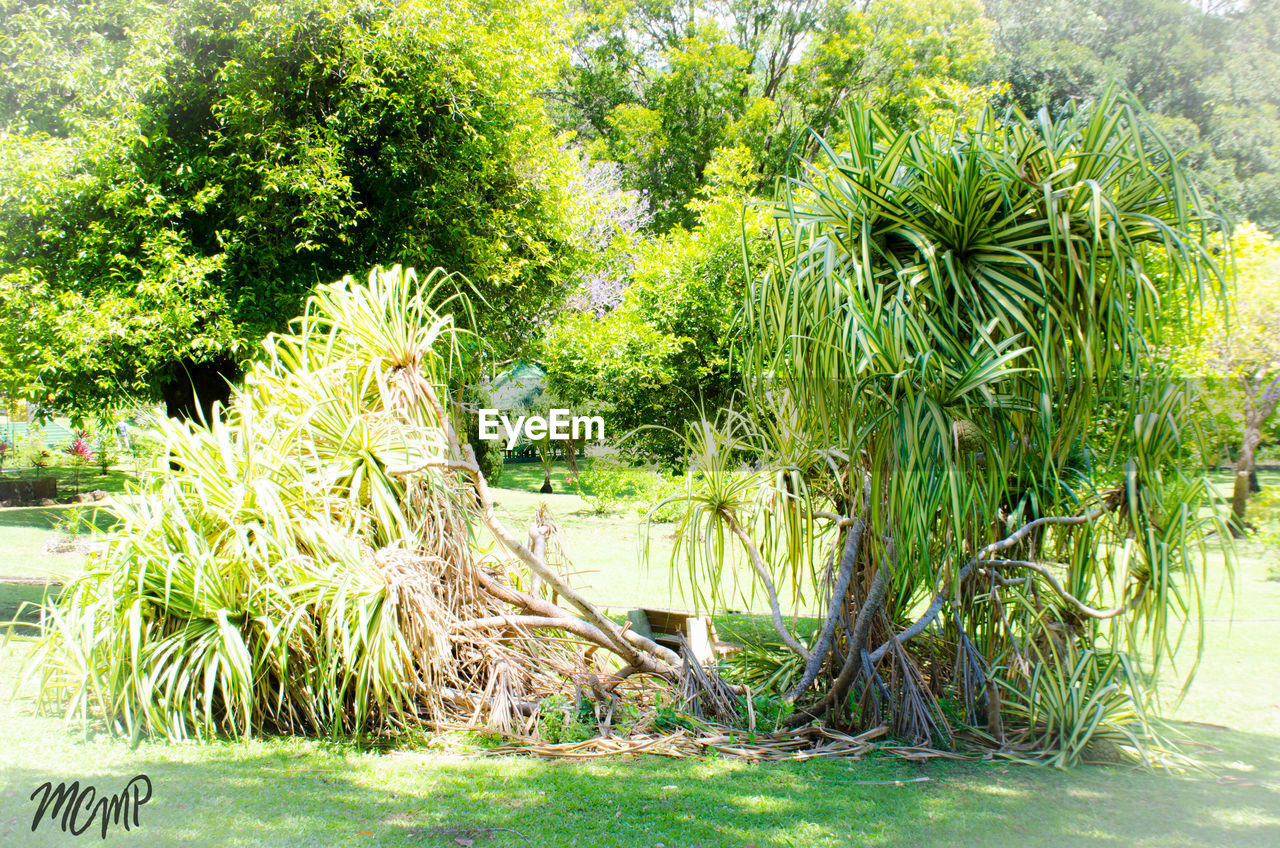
546, 481
571, 456
1240, 488
1259, 408
1245, 472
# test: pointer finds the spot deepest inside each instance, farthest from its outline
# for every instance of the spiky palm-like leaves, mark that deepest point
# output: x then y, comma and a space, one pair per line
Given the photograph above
954, 340
275, 574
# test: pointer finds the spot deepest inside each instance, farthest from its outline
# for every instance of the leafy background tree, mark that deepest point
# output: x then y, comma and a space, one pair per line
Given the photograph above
661, 86
665, 355
665, 89
1209, 71
173, 177
261, 149
1235, 360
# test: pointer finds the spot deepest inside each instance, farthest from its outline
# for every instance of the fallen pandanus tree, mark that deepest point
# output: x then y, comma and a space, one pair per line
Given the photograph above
311, 561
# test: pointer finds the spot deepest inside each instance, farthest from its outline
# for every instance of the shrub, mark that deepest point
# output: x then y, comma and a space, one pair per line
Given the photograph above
1085, 705
277, 575
561, 719
75, 521
102, 436
35, 452
143, 451
660, 503
81, 455
767, 666
604, 483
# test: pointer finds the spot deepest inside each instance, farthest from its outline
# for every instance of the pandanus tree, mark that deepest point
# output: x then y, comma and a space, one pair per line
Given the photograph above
953, 439
313, 560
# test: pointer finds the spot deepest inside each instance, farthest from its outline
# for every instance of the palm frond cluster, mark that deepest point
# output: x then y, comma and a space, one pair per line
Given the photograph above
954, 426
276, 575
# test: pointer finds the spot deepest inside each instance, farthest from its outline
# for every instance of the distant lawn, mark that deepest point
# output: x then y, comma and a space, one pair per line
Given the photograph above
527, 476
1223, 481
623, 561
25, 531
114, 481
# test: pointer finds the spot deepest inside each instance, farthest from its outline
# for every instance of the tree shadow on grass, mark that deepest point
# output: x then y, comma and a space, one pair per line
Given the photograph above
225, 794
48, 517
20, 605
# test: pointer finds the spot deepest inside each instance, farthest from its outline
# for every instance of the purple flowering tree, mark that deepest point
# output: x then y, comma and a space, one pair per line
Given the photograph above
608, 221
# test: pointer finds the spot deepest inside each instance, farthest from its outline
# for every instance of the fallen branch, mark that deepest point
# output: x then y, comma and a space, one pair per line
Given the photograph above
635, 649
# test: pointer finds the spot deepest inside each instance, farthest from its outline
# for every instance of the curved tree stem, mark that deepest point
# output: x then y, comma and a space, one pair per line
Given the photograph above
757, 563
853, 656
853, 540
1079, 605
1007, 542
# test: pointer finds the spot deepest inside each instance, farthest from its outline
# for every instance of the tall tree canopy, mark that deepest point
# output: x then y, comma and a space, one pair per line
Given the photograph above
1210, 71
251, 152
663, 356
658, 86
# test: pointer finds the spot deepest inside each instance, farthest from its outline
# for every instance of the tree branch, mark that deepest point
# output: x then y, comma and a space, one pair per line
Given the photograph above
757, 563
629, 645
853, 540
1079, 605
935, 606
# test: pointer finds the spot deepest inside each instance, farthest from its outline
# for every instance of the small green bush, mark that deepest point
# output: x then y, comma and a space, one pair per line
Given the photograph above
604, 484
770, 711
102, 439
561, 720
668, 718
1264, 514
659, 503
767, 666
76, 521
35, 452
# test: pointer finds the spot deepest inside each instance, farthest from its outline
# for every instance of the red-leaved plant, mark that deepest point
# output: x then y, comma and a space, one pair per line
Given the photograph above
81, 455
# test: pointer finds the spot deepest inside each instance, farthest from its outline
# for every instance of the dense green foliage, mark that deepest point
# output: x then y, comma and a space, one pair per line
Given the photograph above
664, 356
272, 577
252, 151
934, 355
1208, 71
1234, 360
173, 177
660, 86
672, 92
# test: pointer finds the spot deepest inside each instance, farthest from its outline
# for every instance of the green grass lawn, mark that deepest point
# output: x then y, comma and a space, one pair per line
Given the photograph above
296, 793
86, 480
622, 561
25, 531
